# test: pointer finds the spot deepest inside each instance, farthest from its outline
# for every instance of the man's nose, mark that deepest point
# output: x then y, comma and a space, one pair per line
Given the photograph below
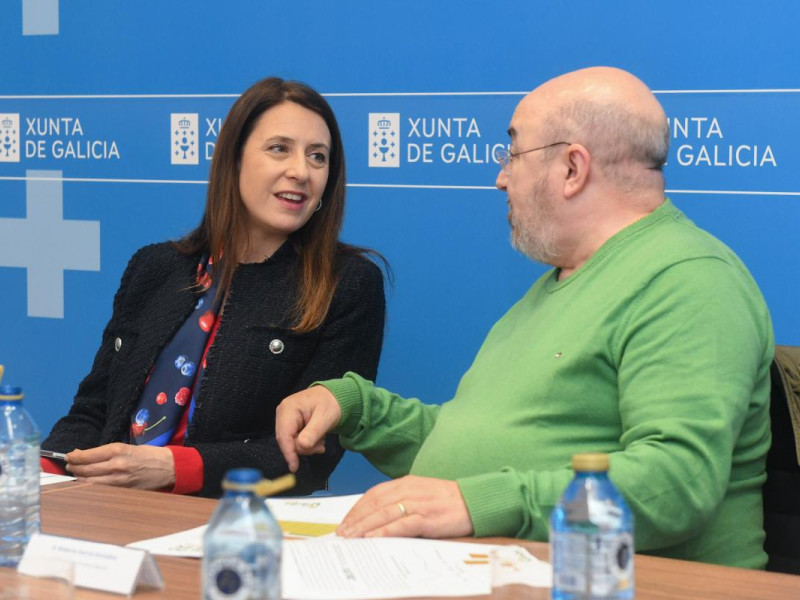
502, 179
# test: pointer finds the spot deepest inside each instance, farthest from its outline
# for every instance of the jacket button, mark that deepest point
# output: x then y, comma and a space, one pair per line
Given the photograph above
117, 344
276, 346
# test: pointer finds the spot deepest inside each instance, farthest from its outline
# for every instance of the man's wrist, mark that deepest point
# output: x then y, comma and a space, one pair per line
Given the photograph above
348, 395
493, 502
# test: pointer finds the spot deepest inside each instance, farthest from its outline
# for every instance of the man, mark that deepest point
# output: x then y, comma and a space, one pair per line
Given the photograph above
649, 340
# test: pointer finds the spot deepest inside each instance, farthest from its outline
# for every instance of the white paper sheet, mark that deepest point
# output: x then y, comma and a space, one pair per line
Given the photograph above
49, 478
311, 516
313, 509
338, 569
334, 568
514, 564
306, 517
187, 543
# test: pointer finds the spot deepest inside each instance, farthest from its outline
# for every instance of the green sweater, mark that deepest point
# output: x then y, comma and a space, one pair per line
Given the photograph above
656, 351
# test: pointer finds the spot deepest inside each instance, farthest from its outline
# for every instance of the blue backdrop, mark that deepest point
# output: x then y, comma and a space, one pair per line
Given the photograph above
109, 112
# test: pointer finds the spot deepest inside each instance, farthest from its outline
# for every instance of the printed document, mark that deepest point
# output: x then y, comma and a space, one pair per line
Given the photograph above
348, 569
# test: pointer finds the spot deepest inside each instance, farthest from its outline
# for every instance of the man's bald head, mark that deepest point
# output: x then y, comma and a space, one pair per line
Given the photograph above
613, 114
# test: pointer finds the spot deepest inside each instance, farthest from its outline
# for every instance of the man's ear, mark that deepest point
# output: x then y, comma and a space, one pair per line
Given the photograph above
578, 161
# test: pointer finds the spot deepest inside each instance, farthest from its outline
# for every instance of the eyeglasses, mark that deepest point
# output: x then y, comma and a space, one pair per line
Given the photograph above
504, 156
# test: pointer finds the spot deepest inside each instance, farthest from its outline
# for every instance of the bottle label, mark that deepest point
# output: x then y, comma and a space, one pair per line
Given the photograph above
599, 564
230, 578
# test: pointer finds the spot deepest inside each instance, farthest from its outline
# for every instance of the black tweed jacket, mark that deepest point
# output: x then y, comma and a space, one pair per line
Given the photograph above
234, 419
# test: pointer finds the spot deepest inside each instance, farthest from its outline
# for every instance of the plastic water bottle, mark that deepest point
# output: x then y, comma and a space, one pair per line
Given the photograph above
591, 536
19, 476
242, 545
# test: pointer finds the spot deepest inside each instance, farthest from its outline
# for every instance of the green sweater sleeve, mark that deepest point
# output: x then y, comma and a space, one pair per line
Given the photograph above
387, 429
692, 359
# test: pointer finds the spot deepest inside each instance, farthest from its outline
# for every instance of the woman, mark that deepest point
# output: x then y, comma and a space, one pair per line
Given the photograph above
208, 334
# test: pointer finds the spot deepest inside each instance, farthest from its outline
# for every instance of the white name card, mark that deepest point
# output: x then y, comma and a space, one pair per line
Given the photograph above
97, 566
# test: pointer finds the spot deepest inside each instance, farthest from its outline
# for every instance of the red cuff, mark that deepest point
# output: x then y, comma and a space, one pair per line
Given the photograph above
48, 466
188, 470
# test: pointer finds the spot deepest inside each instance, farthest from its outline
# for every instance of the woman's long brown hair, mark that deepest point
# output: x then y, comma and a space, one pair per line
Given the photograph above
222, 230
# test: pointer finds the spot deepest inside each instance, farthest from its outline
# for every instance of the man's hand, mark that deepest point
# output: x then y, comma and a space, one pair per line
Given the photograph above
125, 465
301, 422
409, 507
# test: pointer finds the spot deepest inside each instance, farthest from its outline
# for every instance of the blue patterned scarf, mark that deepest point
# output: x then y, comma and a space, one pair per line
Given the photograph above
174, 379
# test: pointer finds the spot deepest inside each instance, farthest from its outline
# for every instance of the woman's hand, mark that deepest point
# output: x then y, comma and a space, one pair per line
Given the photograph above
144, 467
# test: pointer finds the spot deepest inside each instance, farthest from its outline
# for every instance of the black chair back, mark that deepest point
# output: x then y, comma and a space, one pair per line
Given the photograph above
782, 489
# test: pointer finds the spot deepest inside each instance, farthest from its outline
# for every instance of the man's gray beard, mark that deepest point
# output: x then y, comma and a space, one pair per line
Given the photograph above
537, 245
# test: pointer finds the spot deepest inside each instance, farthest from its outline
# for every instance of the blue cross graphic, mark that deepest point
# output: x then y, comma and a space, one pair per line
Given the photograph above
47, 245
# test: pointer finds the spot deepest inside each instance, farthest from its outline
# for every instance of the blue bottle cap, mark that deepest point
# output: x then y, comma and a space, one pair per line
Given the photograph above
10, 392
243, 476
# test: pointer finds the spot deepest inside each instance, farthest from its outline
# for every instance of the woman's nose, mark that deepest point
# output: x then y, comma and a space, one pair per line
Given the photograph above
298, 167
